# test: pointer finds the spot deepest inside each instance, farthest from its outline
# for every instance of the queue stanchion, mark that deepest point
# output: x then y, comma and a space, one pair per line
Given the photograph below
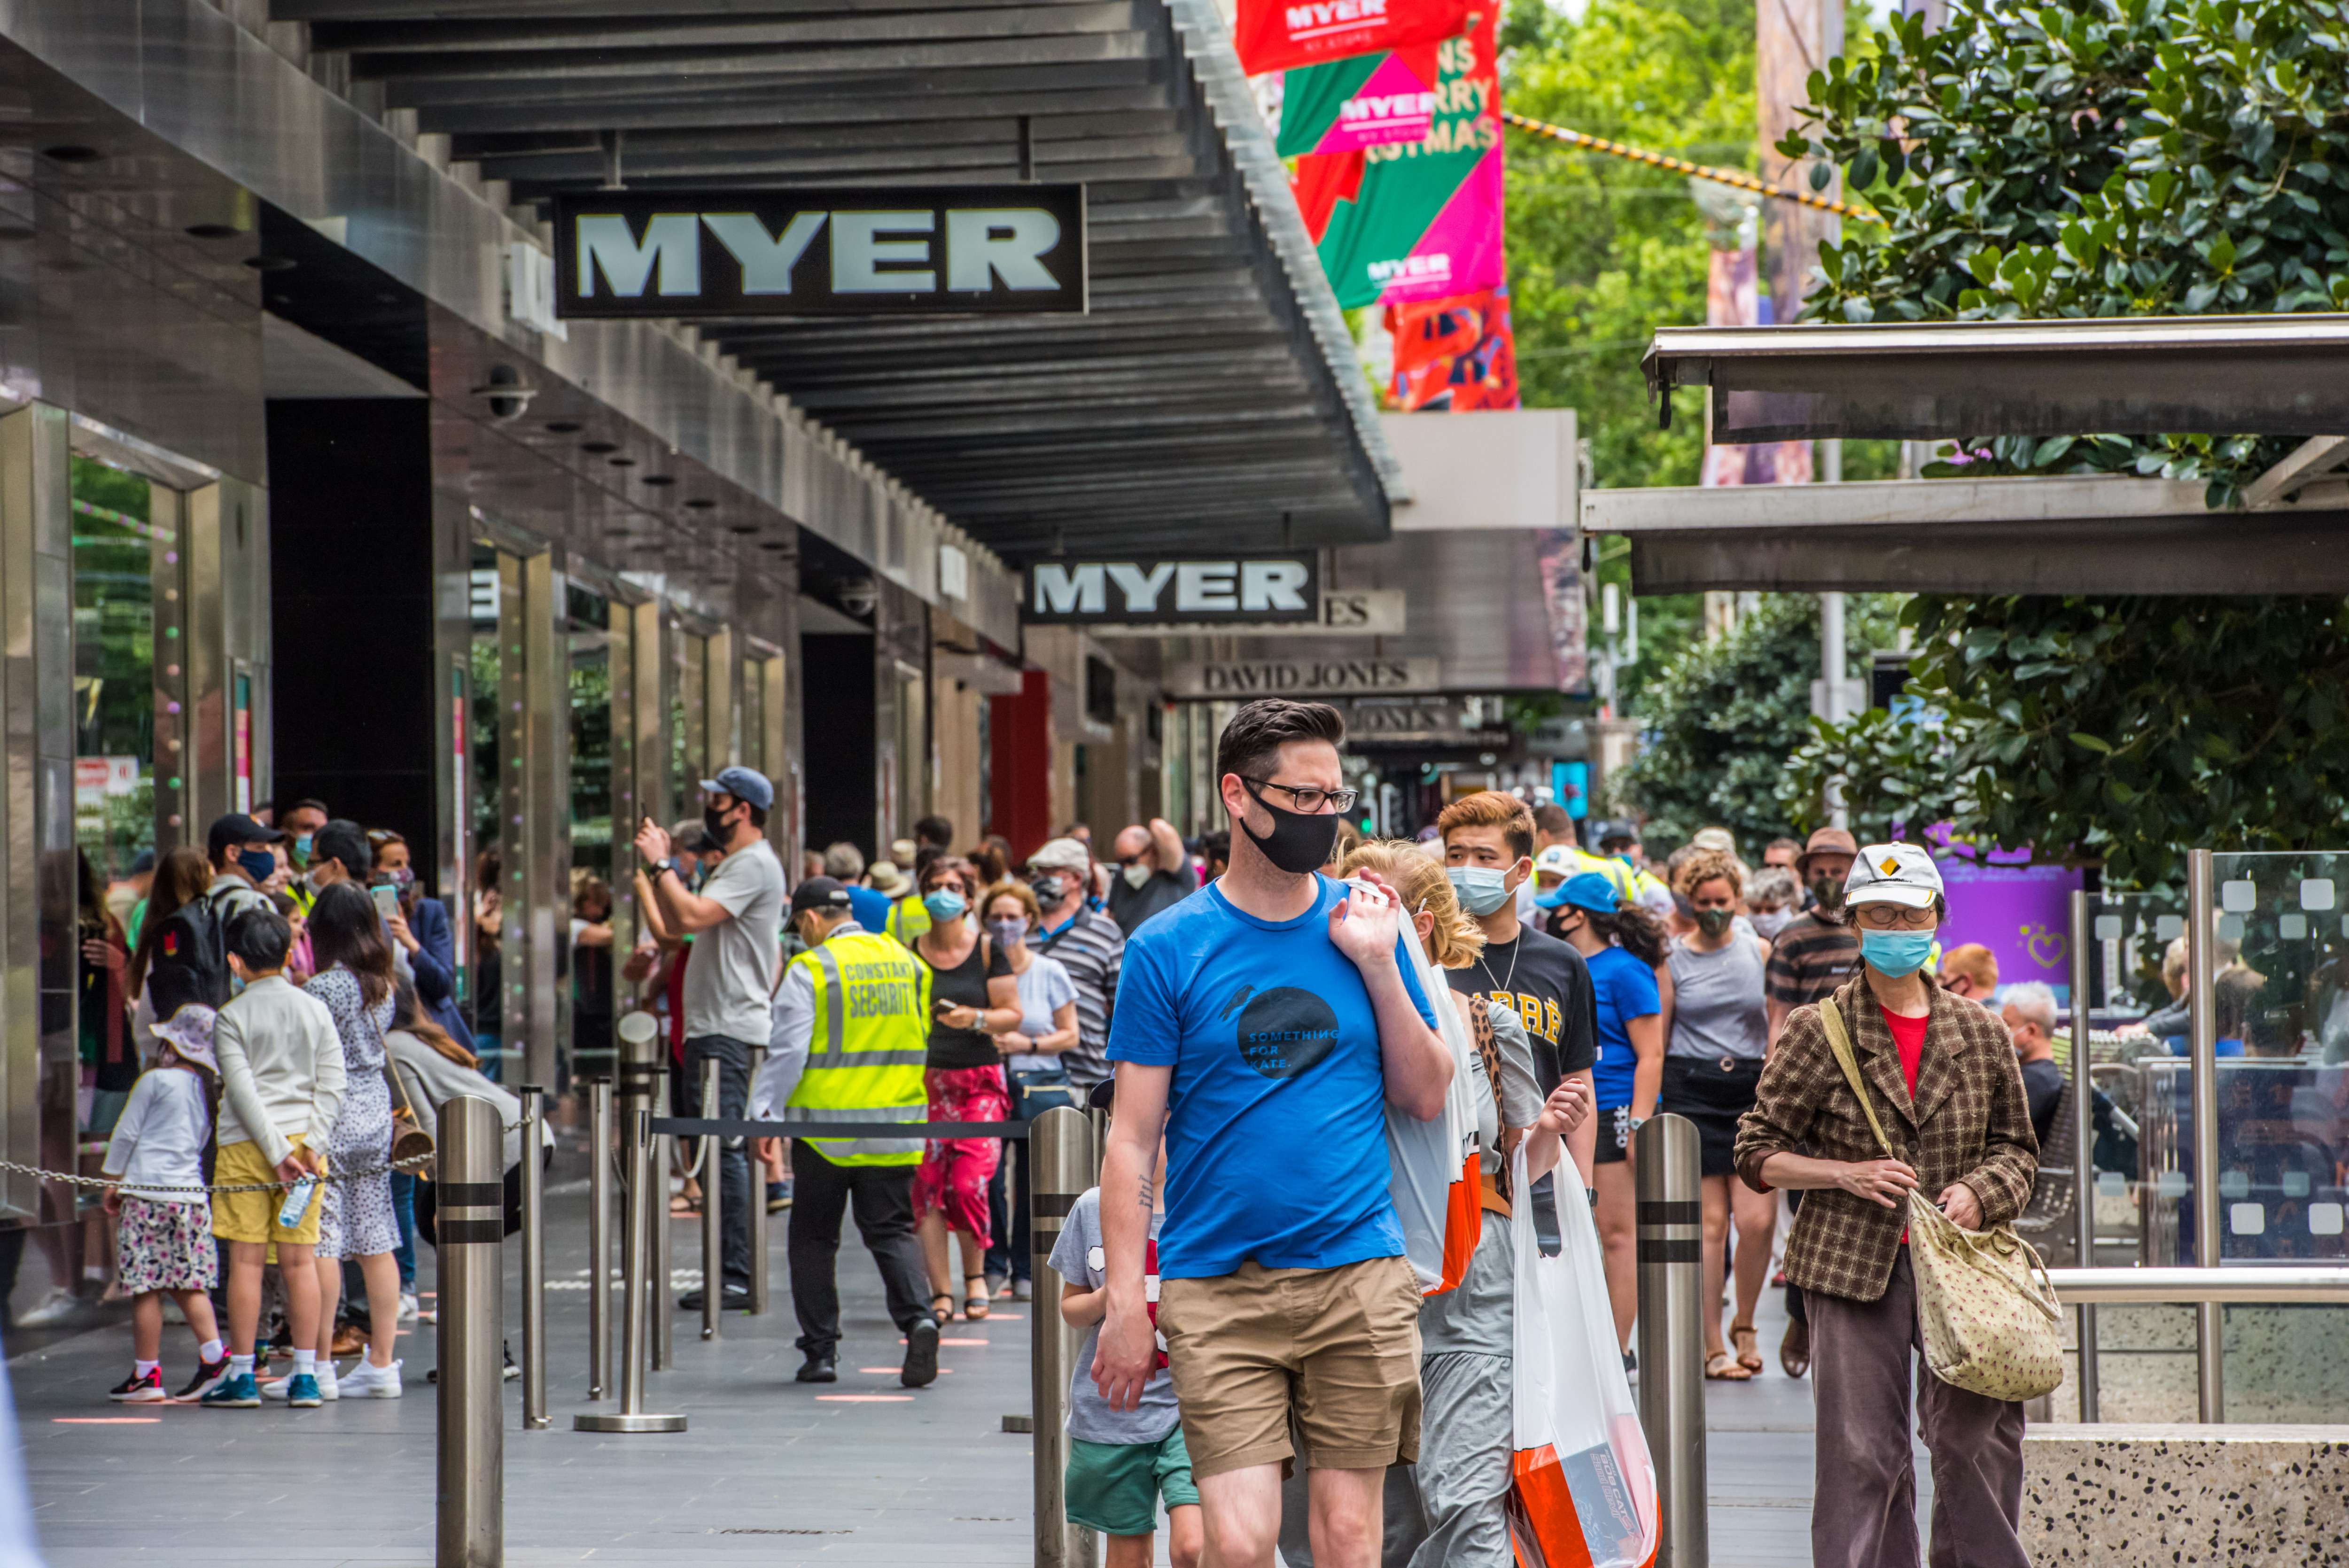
664, 1246
1061, 1146
713, 1217
533, 1262
599, 1238
1670, 1209
632, 1417
469, 1230
758, 1210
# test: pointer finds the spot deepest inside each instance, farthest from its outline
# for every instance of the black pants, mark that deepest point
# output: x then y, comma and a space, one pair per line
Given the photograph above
884, 1198
733, 1057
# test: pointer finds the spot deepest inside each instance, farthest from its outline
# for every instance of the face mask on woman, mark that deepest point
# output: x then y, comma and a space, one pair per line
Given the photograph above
1896, 954
1714, 922
1480, 888
1008, 932
1769, 922
944, 903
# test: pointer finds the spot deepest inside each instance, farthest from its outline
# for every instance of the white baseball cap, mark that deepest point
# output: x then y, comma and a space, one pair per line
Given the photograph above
1556, 861
1893, 873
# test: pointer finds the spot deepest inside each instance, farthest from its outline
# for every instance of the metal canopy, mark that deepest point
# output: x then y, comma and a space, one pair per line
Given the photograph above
2266, 375
1210, 398
2065, 535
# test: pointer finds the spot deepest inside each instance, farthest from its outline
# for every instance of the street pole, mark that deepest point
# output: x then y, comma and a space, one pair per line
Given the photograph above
470, 1228
599, 1238
534, 1261
1670, 1207
1060, 1142
2202, 959
631, 1416
713, 1219
758, 1210
2083, 1138
664, 1240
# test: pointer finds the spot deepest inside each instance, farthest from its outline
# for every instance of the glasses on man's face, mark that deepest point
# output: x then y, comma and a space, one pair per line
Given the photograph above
1893, 917
1311, 800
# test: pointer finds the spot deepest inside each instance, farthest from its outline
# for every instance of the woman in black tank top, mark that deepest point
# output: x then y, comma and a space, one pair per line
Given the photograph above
966, 1083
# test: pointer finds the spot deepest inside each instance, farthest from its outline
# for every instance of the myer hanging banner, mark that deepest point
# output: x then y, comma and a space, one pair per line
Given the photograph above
1279, 34
1368, 101
829, 251
1179, 590
1422, 219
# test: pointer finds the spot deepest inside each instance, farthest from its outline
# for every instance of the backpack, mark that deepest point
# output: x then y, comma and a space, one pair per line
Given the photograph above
191, 960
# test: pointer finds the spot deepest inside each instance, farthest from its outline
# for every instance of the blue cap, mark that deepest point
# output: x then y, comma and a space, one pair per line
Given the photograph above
744, 784
1586, 890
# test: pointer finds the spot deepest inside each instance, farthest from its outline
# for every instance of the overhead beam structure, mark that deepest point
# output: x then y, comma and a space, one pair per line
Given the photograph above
2267, 375
1210, 398
2090, 534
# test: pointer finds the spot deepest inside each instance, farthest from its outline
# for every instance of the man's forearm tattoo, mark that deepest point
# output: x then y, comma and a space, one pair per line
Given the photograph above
1149, 1195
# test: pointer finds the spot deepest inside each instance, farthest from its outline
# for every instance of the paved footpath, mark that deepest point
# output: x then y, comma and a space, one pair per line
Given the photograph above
770, 1471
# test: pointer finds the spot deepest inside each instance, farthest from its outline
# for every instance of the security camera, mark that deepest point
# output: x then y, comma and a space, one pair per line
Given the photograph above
858, 597
508, 393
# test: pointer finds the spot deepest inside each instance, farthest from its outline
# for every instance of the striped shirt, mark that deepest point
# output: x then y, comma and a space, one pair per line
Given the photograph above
1808, 959
1090, 948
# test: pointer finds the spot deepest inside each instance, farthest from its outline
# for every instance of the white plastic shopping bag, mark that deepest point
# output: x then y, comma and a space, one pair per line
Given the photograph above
1583, 1492
1433, 1164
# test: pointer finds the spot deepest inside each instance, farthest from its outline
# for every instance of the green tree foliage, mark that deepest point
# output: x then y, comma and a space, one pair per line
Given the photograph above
2094, 158
2112, 730
1727, 711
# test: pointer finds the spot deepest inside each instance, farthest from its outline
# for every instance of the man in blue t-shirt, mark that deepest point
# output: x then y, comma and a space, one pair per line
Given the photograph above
1266, 1024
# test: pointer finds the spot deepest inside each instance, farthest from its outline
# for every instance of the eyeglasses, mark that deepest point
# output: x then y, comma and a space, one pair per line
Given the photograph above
1311, 800
1892, 917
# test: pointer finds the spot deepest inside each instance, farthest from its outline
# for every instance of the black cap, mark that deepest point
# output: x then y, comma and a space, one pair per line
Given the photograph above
824, 894
236, 827
1103, 1096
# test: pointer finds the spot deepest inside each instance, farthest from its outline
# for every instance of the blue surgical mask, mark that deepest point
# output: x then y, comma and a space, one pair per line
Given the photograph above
944, 903
1480, 888
259, 864
1896, 954
301, 848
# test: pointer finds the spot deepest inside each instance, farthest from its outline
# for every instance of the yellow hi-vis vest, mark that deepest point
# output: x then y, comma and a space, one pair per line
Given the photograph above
871, 1042
908, 918
1629, 884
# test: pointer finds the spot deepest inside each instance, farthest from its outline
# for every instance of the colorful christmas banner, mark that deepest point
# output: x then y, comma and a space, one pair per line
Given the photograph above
1281, 34
1368, 101
1424, 221
1456, 355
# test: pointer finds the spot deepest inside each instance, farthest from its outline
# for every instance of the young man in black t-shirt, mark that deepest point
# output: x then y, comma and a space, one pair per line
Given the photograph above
1488, 845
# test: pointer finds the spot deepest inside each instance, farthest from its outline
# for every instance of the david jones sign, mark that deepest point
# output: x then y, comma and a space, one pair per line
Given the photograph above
836, 251
1304, 677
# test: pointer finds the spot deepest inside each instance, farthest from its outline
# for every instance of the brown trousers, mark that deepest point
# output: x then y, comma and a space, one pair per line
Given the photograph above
1864, 1507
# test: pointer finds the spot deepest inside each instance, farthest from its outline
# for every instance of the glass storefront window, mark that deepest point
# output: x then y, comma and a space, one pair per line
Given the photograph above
114, 666
481, 711
588, 634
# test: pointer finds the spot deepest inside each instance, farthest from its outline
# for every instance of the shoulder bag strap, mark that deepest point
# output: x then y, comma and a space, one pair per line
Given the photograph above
1840, 1043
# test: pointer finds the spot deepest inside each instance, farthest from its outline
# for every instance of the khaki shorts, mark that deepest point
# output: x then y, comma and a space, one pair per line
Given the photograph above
252, 1216
1337, 1349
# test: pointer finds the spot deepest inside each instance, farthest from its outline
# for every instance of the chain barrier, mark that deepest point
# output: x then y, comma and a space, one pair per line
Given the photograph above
397, 1166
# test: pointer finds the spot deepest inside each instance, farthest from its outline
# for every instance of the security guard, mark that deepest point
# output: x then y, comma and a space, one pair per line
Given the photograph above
851, 1038
1558, 862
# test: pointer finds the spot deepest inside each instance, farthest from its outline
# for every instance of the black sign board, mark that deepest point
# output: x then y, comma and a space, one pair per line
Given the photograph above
829, 251
1176, 589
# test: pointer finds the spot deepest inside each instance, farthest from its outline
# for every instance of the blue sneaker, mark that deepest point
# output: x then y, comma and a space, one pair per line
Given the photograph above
302, 1391
235, 1391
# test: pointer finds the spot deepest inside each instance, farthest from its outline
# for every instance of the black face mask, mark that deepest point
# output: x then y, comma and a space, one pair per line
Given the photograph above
1298, 842
713, 822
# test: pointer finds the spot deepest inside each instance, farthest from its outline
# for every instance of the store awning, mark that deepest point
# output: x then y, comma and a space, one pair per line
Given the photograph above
2088, 534
2266, 375
1209, 398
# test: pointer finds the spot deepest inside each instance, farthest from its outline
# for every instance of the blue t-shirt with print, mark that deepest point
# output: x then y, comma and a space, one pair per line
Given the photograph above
870, 906
1625, 989
1276, 1128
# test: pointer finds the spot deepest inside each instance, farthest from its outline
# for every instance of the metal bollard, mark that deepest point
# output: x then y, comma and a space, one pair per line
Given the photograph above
1060, 1144
469, 1229
599, 1238
664, 1273
758, 1210
1671, 1331
2202, 965
2084, 1152
631, 1416
533, 1262
713, 1218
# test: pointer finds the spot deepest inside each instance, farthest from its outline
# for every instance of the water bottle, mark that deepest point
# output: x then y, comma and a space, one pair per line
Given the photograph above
297, 1202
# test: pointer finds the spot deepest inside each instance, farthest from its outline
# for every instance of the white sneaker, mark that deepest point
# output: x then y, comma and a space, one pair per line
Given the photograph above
57, 1306
369, 1381
276, 1386
408, 1307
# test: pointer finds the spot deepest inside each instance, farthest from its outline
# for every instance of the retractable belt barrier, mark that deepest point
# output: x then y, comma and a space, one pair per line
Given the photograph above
727, 1127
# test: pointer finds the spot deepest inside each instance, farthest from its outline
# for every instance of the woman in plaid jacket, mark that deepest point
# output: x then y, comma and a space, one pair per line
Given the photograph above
1941, 1073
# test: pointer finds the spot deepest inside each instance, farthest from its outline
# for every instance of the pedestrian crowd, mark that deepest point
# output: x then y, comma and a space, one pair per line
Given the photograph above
262, 1019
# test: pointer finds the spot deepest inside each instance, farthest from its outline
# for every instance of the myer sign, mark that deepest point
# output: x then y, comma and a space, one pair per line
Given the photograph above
1305, 678
836, 251
1190, 592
